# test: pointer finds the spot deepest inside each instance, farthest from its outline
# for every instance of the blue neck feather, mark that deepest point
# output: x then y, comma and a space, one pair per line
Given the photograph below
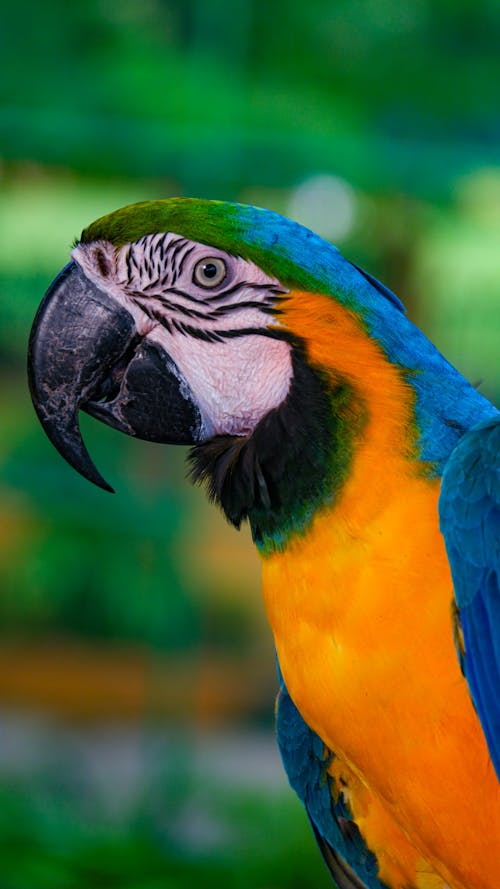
446, 404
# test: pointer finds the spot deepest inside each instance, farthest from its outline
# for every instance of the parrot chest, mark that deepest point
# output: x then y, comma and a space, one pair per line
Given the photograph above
362, 623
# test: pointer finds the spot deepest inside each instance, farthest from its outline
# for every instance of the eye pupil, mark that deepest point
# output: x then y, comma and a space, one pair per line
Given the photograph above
210, 270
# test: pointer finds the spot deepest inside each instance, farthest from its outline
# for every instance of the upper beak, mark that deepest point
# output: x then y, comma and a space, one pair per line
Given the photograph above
85, 353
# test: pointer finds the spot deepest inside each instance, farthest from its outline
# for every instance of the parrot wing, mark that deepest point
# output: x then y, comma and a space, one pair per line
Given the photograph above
306, 760
469, 508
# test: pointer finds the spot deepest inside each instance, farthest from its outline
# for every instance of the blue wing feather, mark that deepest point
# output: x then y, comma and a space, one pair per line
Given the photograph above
306, 761
469, 508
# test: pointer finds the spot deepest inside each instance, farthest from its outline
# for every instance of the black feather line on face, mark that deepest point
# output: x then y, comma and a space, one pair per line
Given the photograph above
145, 303
128, 263
183, 259
223, 311
168, 290
247, 285
272, 332
172, 252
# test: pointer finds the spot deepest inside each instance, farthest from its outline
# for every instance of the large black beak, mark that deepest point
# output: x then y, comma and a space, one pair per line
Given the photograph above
85, 353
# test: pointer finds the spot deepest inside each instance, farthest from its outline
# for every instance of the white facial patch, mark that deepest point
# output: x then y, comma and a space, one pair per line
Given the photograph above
211, 312
235, 383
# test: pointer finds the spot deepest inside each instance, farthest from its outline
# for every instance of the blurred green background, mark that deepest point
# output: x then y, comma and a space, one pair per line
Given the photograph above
136, 670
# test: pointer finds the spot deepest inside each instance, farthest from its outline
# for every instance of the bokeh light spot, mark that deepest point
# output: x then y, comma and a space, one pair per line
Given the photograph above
326, 204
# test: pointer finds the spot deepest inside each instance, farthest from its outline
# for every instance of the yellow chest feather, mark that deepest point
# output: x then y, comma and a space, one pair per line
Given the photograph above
360, 607
362, 623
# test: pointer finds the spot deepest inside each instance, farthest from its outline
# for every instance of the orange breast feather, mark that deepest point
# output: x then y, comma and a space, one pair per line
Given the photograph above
360, 607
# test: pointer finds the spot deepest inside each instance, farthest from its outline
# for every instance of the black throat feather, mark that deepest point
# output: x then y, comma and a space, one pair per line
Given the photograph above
295, 460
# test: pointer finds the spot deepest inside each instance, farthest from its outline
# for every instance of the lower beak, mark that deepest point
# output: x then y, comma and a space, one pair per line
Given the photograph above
85, 353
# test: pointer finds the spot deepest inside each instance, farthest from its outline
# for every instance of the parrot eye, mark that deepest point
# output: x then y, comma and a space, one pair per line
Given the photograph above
209, 272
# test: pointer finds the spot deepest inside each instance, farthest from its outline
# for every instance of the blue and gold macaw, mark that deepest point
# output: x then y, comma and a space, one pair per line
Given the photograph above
319, 413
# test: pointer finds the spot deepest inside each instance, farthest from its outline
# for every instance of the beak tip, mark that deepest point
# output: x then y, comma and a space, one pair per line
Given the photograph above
80, 460
108, 488
96, 479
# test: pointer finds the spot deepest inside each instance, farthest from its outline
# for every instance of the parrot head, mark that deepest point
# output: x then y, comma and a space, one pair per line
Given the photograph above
228, 328
160, 336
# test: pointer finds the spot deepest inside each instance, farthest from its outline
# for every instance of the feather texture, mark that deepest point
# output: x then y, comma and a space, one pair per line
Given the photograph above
306, 759
470, 521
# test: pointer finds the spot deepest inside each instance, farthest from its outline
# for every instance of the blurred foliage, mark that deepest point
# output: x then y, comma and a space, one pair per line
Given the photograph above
142, 808
394, 95
45, 843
